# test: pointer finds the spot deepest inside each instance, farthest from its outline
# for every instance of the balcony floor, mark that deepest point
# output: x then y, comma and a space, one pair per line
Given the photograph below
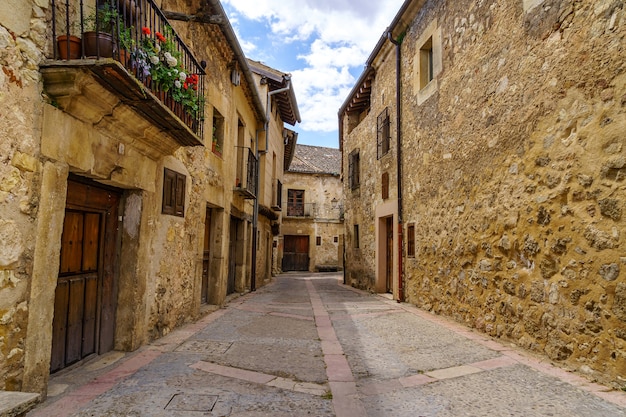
63, 83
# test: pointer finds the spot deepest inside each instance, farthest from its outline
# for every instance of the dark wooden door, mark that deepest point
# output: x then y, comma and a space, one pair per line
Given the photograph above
206, 257
85, 297
389, 253
296, 253
232, 255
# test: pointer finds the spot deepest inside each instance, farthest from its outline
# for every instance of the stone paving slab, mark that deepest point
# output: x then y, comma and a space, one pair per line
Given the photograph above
512, 391
306, 345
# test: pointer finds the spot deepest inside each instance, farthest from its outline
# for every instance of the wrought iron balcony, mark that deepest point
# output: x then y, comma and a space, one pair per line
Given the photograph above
245, 183
131, 50
299, 209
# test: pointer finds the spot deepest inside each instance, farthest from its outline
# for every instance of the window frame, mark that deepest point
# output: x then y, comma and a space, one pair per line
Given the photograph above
295, 202
354, 169
383, 133
174, 190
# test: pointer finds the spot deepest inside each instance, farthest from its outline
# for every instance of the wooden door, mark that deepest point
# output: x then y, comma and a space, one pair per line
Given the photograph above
296, 253
232, 255
206, 257
85, 297
389, 254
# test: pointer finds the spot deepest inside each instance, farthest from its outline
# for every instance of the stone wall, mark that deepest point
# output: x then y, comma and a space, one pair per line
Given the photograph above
43, 142
361, 203
515, 180
22, 37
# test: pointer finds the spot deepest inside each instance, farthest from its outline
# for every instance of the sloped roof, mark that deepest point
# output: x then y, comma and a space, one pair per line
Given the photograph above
287, 104
316, 160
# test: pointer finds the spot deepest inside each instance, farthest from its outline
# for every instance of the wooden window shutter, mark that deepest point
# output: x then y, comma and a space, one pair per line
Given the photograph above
410, 242
385, 185
179, 203
173, 193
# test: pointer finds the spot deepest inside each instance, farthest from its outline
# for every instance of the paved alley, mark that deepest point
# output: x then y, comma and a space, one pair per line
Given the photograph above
306, 345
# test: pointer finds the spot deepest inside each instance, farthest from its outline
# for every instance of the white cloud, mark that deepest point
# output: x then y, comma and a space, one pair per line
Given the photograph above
341, 35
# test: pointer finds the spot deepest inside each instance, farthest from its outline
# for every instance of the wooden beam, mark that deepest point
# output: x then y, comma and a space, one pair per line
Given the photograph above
200, 17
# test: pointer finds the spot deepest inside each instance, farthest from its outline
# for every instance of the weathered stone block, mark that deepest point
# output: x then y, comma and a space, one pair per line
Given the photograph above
611, 208
11, 244
609, 272
619, 303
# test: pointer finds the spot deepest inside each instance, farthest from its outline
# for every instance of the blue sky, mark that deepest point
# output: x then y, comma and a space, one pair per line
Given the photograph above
324, 45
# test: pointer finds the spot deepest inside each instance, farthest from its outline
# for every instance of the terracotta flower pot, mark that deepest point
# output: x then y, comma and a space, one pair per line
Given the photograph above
74, 44
98, 44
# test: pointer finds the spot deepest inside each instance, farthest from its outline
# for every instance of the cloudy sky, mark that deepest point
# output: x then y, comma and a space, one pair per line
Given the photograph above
324, 45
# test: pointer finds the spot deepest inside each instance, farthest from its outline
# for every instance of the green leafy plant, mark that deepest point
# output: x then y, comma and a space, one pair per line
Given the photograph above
102, 19
125, 36
159, 57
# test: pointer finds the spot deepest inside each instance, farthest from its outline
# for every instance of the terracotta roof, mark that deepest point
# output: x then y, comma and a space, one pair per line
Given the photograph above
287, 104
316, 160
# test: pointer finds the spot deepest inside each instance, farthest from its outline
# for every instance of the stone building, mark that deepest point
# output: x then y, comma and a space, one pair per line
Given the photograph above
128, 190
508, 120
312, 208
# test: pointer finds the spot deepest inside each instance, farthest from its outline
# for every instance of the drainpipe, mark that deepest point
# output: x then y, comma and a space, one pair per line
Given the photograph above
398, 163
255, 212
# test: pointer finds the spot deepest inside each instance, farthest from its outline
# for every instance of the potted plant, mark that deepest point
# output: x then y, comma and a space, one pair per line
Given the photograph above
68, 44
126, 43
98, 38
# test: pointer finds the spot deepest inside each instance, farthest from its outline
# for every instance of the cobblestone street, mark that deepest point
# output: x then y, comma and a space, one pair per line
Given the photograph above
306, 345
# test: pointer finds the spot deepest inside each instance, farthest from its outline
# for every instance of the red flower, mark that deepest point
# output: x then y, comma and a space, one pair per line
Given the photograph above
160, 37
145, 30
185, 85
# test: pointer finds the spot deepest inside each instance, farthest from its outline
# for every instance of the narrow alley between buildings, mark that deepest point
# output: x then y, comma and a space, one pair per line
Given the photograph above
307, 345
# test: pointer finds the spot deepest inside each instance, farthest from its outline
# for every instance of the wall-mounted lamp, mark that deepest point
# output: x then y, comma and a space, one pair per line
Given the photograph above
334, 202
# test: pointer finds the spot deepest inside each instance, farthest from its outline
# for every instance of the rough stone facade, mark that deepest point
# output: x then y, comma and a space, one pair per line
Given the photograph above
513, 169
315, 170
51, 138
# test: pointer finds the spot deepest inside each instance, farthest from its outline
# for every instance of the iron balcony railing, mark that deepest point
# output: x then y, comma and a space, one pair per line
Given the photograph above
298, 209
137, 34
245, 182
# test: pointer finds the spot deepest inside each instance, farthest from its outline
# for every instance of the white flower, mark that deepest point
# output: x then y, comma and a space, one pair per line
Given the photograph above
157, 47
182, 76
171, 61
154, 59
177, 84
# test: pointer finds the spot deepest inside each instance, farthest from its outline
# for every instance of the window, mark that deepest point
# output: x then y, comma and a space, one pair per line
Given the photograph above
295, 203
410, 241
336, 239
354, 169
218, 133
383, 135
174, 193
318, 240
426, 63
356, 236
385, 185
